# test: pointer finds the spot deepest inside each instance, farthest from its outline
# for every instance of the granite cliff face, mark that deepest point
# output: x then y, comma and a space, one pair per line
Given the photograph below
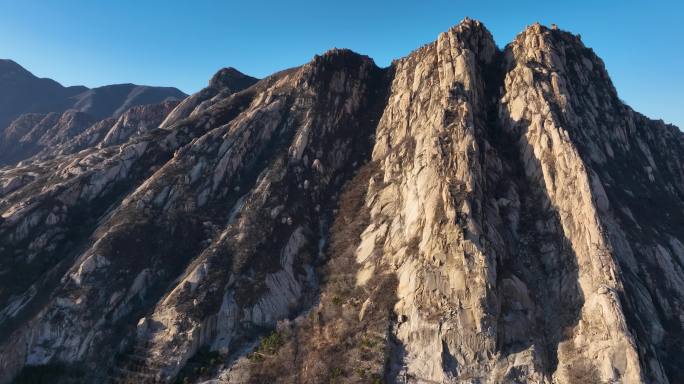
467, 215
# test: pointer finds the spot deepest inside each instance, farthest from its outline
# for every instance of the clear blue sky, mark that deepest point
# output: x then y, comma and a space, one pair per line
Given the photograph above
182, 43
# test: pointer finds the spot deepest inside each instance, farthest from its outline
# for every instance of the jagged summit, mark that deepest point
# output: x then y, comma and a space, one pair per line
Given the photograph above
232, 79
468, 214
338, 59
469, 23
340, 52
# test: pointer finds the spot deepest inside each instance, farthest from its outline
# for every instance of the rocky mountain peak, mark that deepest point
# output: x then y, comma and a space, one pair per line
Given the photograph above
338, 54
465, 215
569, 72
474, 36
333, 63
231, 78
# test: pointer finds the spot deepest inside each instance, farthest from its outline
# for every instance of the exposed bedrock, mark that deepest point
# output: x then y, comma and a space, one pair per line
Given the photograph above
467, 215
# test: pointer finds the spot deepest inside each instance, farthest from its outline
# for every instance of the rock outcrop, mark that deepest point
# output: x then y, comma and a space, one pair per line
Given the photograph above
48, 135
224, 83
467, 215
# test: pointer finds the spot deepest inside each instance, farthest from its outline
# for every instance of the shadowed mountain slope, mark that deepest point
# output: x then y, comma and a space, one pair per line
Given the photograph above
24, 97
466, 215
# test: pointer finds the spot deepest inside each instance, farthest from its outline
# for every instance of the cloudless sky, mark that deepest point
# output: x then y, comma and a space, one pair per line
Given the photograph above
183, 43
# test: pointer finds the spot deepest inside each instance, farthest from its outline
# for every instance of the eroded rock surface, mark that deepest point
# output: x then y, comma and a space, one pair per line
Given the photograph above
467, 215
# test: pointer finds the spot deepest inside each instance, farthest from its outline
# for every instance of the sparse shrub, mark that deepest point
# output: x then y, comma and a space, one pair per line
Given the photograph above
583, 372
332, 336
367, 343
335, 373
199, 365
271, 343
255, 357
580, 370
49, 373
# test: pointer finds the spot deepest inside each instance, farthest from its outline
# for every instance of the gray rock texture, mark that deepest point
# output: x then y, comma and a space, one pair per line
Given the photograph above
466, 215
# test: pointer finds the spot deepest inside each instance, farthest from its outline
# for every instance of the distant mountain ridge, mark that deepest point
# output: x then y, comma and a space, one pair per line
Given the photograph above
23, 92
39, 112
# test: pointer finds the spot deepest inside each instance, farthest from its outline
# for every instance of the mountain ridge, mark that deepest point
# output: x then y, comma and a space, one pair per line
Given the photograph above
468, 214
23, 92
95, 105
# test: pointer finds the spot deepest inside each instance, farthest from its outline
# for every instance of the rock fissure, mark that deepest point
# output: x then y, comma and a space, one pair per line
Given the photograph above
486, 225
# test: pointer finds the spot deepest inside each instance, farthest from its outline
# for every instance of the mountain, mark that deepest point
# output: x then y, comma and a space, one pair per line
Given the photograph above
48, 135
22, 92
24, 97
466, 215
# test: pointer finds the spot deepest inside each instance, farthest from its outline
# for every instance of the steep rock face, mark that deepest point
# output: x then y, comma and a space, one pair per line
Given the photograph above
52, 207
427, 220
224, 82
266, 166
31, 133
468, 215
282, 163
48, 135
623, 161
134, 122
595, 342
491, 215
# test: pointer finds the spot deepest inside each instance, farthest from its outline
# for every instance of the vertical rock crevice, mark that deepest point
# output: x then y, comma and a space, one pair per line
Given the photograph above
486, 226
